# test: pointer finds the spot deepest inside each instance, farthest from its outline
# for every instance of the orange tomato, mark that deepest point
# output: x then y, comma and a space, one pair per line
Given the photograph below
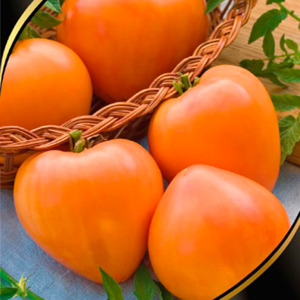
90, 209
127, 43
211, 229
45, 83
20, 158
227, 121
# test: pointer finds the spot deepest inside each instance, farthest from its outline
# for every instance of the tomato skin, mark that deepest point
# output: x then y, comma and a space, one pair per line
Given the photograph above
227, 121
211, 229
126, 44
92, 208
20, 158
45, 83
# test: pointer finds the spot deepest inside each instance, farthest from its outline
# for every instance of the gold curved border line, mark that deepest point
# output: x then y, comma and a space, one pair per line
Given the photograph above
25, 17
264, 265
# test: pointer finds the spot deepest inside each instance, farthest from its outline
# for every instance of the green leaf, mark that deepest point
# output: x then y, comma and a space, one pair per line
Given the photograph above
285, 102
9, 279
296, 59
289, 75
254, 66
212, 4
45, 20
158, 292
28, 33
273, 78
144, 286
274, 1
289, 135
266, 22
7, 292
273, 66
33, 296
166, 295
269, 44
54, 5
112, 288
282, 44
292, 45
6, 277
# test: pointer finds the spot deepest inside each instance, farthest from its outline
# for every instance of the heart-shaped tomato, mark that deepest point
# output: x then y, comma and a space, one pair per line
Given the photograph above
212, 228
125, 44
227, 121
92, 208
44, 83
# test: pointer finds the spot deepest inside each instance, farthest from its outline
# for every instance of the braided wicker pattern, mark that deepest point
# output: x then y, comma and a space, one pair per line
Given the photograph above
126, 119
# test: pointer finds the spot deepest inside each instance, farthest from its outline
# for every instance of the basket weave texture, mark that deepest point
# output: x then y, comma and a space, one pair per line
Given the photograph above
126, 119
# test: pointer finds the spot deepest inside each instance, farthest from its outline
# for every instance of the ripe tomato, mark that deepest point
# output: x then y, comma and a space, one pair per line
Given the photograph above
20, 158
45, 83
127, 43
211, 229
92, 208
227, 121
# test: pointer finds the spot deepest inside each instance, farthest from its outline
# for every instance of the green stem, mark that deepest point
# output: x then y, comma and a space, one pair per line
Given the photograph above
7, 278
32, 296
178, 86
197, 79
77, 144
14, 283
280, 56
291, 13
186, 81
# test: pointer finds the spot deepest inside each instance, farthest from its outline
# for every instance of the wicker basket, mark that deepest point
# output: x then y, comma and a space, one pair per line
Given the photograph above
126, 119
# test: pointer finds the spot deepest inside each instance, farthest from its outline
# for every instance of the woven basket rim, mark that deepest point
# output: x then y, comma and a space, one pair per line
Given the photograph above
114, 119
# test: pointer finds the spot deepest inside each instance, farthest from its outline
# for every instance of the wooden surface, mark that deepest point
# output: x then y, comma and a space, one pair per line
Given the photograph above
240, 50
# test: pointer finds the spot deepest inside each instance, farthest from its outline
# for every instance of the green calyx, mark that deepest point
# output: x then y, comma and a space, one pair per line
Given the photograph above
184, 83
77, 143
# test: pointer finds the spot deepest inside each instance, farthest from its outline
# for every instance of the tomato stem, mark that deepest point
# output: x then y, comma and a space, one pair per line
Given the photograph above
77, 143
184, 83
197, 79
178, 86
79, 146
